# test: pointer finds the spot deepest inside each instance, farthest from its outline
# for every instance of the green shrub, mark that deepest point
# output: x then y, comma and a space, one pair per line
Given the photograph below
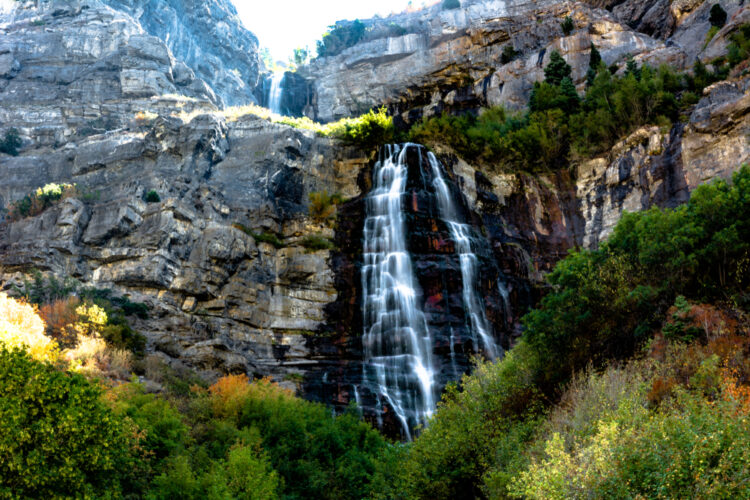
557, 69
265, 236
739, 46
451, 4
11, 142
316, 455
367, 132
317, 242
478, 432
57, 438
718, 16
567, 26
604, 303
509, 53
595, 64
151, 197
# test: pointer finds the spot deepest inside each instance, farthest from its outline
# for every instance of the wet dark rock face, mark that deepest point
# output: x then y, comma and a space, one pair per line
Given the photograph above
437, 269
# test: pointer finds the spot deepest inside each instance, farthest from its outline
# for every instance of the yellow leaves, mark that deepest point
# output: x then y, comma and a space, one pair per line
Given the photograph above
21, 326
90, 318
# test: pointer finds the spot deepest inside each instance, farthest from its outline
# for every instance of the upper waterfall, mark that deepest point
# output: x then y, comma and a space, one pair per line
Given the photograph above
275, 93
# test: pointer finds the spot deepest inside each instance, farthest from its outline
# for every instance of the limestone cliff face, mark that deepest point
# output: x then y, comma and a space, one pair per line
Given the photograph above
208, 37
452, 60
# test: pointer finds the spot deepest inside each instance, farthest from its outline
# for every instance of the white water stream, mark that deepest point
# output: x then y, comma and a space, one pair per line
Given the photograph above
274, 96
397, 345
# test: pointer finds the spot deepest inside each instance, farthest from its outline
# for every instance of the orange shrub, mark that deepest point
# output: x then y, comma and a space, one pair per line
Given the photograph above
60, 317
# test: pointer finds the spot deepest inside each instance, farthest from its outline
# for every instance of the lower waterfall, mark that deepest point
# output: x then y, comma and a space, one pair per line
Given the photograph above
461, 234
400, 361
396, 341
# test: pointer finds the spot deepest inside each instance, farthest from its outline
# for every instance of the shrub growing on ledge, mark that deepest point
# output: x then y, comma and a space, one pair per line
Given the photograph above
367, 132
152, 197
451, 4
41, 199
567, 26
11, 142
317, 242
323, 205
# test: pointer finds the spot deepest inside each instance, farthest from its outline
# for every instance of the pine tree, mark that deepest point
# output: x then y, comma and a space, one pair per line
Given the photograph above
569, 95
718, 16
595, 60
557, 69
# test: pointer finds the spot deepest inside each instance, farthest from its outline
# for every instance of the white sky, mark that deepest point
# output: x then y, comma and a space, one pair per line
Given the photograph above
283, 25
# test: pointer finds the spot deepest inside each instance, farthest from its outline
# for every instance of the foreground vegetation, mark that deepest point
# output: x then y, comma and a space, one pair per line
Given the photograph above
632, 379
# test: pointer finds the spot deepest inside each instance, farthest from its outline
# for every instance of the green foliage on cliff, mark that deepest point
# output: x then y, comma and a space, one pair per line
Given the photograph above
717, 16
672, 421
567, 26
11, 142
560, 126
340, 37
451, 4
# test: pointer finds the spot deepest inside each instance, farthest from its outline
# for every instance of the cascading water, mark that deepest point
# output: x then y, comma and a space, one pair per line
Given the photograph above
397, 345
274, 95
461, 234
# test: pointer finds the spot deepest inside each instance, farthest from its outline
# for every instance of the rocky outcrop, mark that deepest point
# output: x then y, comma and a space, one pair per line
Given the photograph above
208, 37
221, 300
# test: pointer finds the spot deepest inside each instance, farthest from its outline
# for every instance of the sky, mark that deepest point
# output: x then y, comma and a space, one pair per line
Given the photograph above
283, 25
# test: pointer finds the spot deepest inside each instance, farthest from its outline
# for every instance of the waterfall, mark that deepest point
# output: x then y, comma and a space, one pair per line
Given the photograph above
397, 345
461, 234
274, 95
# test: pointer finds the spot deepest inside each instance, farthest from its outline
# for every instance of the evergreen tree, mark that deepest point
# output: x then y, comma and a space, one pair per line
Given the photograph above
595, 60
569, 96
557, 69
567, 26
632, 68
718, 16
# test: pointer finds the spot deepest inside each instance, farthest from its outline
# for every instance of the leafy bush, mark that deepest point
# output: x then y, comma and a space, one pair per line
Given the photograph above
605, 302
367, 132
558, 118
11, 142
567, 26
57, 438
323, 205
478, 430
41, 199
739, 46
317, 455
718, 16
451, 4
151, 197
